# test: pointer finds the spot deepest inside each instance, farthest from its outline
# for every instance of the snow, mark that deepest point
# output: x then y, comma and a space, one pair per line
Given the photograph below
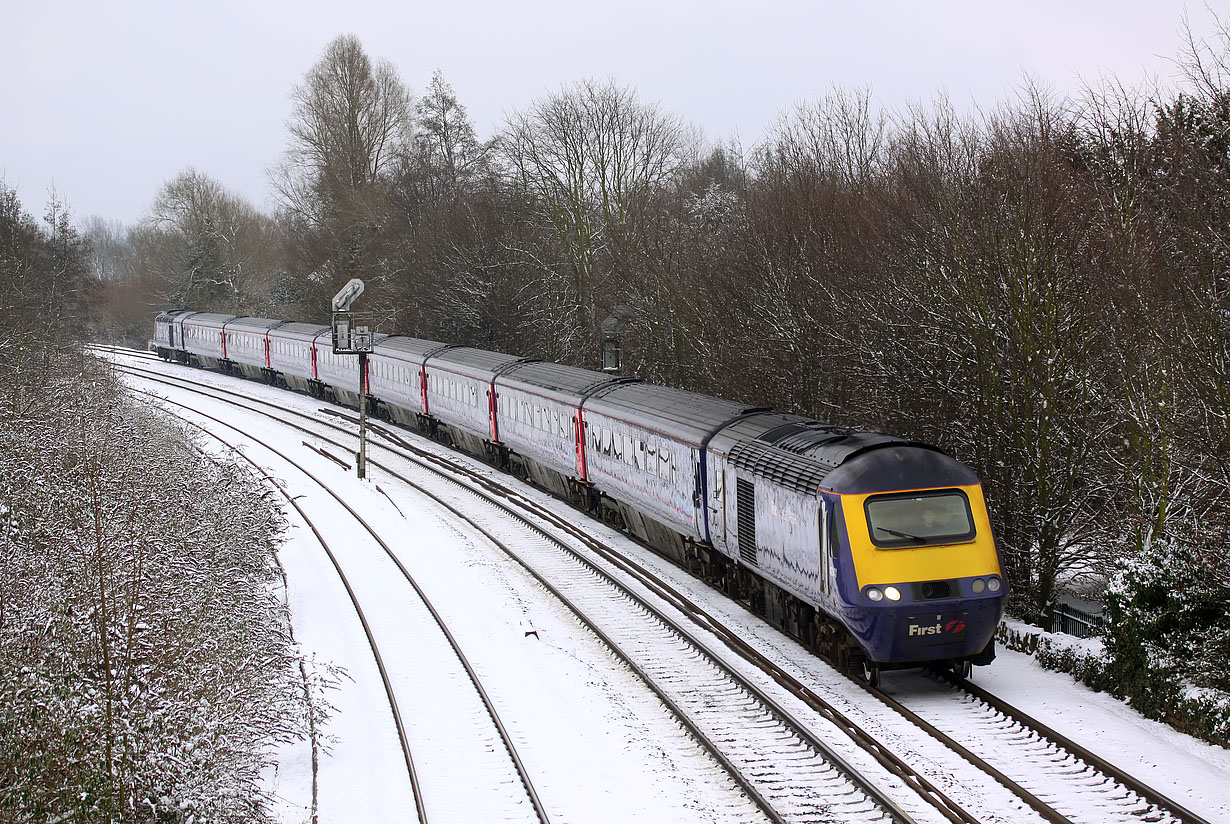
1180, 767
598, 746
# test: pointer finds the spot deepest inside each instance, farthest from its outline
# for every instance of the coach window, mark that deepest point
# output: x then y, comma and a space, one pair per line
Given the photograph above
664, 465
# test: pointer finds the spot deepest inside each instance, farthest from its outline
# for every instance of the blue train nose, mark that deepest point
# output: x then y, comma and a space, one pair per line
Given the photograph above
929, 632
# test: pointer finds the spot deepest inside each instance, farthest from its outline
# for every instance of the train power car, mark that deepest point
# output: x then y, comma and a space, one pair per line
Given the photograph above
874, 550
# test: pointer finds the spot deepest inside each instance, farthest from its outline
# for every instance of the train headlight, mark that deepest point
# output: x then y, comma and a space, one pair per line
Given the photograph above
978, 586
993, 584
892, 593
874, 594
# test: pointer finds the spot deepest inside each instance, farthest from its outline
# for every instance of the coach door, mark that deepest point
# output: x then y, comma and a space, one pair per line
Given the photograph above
578, 431
826, 550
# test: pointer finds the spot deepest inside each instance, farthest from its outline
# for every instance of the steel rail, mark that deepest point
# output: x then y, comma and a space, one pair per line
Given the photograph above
367, 630
1096, 761
531, 791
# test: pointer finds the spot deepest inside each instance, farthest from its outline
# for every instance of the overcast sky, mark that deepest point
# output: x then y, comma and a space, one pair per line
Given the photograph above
106, 101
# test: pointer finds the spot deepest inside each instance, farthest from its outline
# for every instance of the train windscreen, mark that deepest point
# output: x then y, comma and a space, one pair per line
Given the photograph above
919, 519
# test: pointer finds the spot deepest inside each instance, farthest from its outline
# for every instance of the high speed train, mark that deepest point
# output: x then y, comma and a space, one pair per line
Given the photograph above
876, 551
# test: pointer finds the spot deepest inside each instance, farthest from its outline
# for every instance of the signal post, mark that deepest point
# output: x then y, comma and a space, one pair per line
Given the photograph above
352, 335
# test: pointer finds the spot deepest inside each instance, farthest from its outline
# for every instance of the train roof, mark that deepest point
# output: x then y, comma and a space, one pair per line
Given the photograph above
687, 415
566, 382
207, 318
299, 331
474, 363
882, 464
253, 324
749, 427
783, 468
807, 456
417, 350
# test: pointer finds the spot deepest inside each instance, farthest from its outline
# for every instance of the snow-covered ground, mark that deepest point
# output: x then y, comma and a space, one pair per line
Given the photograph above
1193, 773
603, 749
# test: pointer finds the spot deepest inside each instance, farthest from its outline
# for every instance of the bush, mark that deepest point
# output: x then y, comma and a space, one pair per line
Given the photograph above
1166, 626
147, 666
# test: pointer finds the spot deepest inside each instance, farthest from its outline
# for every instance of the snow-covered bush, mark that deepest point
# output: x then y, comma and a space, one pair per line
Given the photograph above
1204, 713
1168, 618
146, 663
1167, 629
1085, 665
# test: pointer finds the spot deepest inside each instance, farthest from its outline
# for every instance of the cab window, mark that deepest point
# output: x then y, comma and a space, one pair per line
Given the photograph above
919, 519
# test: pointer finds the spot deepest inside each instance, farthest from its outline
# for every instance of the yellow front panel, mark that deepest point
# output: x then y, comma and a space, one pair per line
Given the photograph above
874, 565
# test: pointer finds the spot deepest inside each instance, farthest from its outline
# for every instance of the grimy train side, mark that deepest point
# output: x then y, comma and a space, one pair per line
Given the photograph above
874, 550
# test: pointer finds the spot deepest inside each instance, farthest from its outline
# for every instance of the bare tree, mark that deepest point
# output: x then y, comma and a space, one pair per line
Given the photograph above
351, 118
211, 248
447, 145
351, 124
589, 159
839, 138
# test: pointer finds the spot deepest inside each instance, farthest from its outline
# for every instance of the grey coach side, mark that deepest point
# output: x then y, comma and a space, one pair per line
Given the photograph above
644, 443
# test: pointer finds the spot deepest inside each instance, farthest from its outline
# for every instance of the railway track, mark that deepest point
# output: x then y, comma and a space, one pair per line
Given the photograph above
429, 657
1101, 792
1083, 785
790, 773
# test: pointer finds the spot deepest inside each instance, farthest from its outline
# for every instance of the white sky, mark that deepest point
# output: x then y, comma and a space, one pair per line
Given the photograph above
106, 101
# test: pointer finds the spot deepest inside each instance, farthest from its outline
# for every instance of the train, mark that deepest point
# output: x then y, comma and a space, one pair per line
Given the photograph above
875, 551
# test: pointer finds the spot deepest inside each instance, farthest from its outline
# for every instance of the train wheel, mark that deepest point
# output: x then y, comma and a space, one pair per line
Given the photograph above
962, 668
871, 673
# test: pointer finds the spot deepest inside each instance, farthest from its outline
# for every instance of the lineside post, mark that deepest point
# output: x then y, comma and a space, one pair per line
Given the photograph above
353, 336
361, 463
